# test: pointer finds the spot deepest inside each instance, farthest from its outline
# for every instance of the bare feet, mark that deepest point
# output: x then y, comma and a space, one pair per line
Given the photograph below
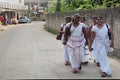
103, 74
84, 63
75, 70
98, 64
80, 67
67, 63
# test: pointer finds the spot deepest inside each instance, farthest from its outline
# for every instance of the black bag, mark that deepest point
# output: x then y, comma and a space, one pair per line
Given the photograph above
109, 34
59, 35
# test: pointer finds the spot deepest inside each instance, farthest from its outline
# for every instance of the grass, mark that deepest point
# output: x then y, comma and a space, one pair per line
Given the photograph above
51, 30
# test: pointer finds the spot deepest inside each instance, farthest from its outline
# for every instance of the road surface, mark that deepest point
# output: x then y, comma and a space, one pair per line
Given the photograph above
27, 51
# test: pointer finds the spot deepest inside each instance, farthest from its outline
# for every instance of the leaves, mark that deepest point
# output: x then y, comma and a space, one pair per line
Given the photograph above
58, 6
74, 5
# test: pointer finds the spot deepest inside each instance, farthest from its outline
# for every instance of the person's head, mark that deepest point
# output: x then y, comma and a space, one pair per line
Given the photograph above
100, 20
94, 19
82, 19
76, 18
68, 19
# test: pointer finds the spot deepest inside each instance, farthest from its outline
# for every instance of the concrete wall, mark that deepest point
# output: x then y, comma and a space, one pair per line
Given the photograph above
110, 15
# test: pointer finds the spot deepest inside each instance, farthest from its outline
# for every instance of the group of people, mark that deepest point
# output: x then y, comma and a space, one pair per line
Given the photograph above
80, 40
4, 20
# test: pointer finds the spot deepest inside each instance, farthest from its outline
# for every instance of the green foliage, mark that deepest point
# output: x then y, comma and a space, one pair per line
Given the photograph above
52, 7
74, 5
86, 5
31, 15
58, 6
112, 3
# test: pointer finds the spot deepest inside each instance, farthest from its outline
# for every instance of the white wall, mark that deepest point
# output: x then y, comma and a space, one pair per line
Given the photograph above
14, 1
12, 4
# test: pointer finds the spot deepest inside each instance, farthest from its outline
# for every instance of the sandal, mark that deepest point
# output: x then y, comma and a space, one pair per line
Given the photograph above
67, 63
74, 71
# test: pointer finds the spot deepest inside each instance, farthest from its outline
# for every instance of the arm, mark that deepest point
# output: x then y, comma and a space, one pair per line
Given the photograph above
85, 35
91, 40
89, 32
112, 38
66, 36
60, 30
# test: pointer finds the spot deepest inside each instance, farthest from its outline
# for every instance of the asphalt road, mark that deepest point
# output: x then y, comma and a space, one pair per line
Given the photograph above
27, 51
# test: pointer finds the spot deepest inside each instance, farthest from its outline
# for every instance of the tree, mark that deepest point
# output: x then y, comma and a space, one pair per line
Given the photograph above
112, 3
52, 6
99, 2
73, 5
58, 6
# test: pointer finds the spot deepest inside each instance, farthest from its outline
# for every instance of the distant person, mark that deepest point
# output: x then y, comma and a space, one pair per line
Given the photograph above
65, 49
85, 55
5, 19
93, 23
98, 44
1, 19
74, 39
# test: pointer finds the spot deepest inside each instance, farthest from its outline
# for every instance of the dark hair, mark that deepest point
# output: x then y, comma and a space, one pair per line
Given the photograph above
83, 18
73, 16
68, 17
100, 17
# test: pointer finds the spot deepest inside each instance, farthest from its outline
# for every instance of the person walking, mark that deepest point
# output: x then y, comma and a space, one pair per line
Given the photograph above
98, 44
74, 39
85, 54
62, 31
93, 54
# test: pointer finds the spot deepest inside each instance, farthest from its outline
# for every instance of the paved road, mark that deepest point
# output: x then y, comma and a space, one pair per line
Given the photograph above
29, 52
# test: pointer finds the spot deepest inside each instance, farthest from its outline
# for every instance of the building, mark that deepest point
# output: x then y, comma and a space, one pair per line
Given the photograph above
12, 9
36, 8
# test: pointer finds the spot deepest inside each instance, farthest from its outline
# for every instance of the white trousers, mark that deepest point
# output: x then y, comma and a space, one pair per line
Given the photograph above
66, 54
101, 55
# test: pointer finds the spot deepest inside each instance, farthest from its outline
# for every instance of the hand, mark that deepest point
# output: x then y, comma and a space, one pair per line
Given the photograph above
90, 49
64, 42
86, 43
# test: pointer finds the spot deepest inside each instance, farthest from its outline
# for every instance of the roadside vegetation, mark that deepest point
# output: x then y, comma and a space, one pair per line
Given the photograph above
50, 30
75, 5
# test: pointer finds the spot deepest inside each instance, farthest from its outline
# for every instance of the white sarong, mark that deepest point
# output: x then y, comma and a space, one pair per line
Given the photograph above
75, 49
100, 48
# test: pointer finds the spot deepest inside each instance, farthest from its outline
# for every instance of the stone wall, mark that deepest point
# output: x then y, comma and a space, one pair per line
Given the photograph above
110, 15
